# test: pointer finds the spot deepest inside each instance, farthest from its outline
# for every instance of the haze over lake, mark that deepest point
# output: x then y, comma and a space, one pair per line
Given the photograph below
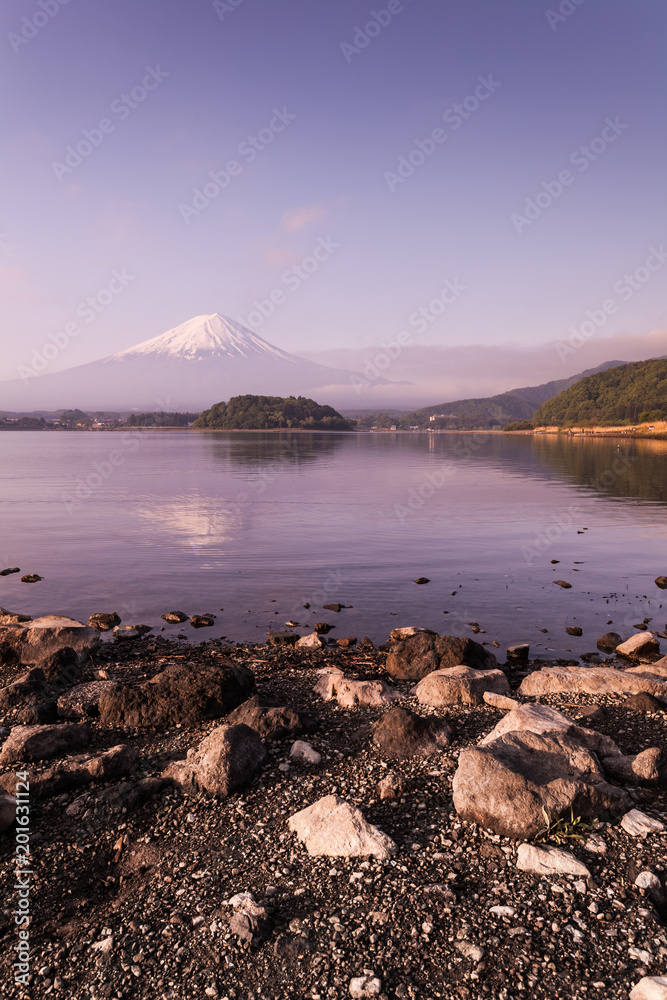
260, 524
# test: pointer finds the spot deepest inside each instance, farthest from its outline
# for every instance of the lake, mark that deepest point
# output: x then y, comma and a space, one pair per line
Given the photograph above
259, 524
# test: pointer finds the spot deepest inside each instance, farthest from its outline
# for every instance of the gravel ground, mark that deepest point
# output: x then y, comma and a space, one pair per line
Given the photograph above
129, 900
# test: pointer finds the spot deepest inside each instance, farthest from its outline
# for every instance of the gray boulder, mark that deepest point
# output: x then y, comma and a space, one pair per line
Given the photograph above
421, 654
227, 759
33, 743
401, 735
459, 686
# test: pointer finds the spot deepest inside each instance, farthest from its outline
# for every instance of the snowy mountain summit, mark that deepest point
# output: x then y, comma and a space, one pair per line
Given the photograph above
202, 338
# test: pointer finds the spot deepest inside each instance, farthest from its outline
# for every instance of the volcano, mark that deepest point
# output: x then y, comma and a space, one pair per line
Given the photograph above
201, 362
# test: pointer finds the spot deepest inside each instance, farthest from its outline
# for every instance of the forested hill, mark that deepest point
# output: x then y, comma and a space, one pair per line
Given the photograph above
253, 413
633, 393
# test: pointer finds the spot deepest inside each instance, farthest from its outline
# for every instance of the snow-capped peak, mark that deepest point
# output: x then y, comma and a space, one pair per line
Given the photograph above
202, 337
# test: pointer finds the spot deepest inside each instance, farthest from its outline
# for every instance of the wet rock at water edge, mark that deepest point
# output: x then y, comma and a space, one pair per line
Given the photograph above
661, 581
608, 642
563, 583
518, 654
202, 621
323, 627
13, 617
282, 638
8, 572
174, 617
422, 580
104, 621
418, 655
347, 642
311, 641
31, 578
131, 631
402, 735
574, 630
333, 607
638, 646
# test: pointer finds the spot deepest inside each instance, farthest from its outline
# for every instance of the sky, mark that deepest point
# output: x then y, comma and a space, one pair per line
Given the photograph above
468, 174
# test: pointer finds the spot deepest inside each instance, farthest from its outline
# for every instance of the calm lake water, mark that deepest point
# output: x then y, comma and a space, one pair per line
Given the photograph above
259, 524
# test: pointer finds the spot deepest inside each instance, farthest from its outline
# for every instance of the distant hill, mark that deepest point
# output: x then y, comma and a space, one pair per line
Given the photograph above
630, 393
488, 411
253, 413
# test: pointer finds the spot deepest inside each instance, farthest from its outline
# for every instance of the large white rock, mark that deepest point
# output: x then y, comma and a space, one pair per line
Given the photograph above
549, 861
594, 680
352, 694
650, 988
333, 828
638, 824
639, 645
459, 685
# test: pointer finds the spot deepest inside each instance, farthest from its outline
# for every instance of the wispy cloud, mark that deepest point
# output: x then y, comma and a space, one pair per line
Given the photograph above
305, 215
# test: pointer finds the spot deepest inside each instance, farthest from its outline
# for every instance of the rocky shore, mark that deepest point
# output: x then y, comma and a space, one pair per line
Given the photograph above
308, 820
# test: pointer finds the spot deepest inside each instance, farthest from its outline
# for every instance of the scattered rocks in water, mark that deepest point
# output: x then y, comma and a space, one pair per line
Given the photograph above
31, 578
640, 645
422, 580
608, 642
34, 743
574, 630
202, 621
227, 759
8, 572
183, 693
349, 693
549, 860
638, 824
174, 617
104, 621
333, 607
564, 584
413, 658
661, 581
334, 828
459, 686
323, 627
401, 735
131, 631
518, 653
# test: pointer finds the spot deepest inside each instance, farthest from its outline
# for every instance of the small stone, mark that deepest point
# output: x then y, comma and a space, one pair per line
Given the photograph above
202, 621
549, 861
638, 824
564, 584
574, 630
332, 828
500, 701
647, 880
608, 642
473, 951
31, 578
311, 641
422, 580
365, 986
174, 617
502, 911
104, 621
660, 581
304, 753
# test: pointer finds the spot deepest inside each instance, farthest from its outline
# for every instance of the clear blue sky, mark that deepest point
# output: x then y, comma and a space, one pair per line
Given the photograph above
218, 76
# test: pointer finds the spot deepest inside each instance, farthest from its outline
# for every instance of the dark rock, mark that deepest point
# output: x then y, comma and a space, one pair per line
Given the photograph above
608, 642
644, 702
506, 784
271, 722
422, 580
118, 762
33, 743
282, 638
183, 693
129, 795
202, 621
350, 640
42, 641
227, 759
333, 607
31, 578
104, 622
589, 715
322, 628
290, 947
174, 617
661, 581
563, 583
420, 654
518, 653
83, 700
400, 734
574, 630
7, 572
28, 699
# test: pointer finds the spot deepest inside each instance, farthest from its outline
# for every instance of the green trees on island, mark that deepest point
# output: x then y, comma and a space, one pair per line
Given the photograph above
628, 394
251, 413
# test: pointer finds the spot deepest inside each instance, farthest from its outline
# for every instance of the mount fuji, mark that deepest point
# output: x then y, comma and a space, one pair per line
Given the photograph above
201, 362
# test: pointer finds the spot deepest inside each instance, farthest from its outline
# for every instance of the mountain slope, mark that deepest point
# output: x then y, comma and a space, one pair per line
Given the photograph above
629, 393
206, 359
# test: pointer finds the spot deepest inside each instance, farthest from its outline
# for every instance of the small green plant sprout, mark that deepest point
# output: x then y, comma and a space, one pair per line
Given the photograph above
563, 830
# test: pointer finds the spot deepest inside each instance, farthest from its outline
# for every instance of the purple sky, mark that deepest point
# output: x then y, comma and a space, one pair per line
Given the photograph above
221, 73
